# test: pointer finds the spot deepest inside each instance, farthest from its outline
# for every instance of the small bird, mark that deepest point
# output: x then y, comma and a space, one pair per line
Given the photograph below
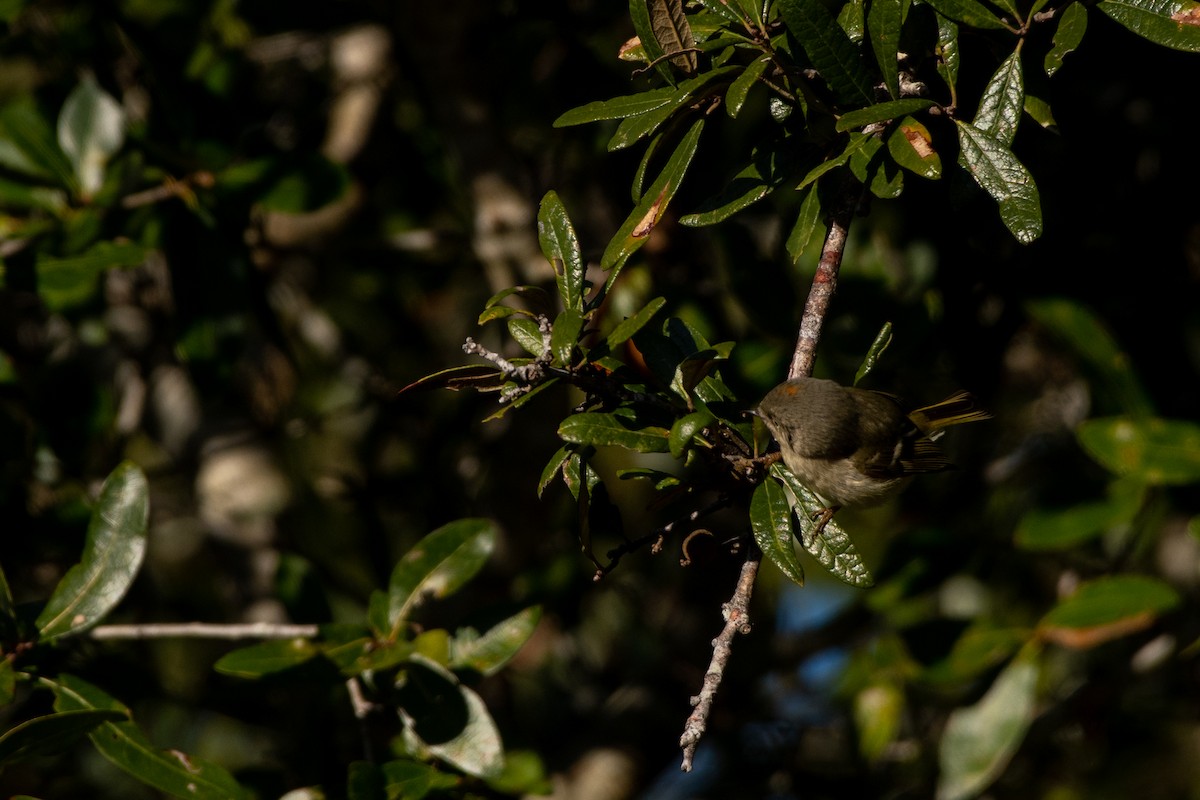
856, 446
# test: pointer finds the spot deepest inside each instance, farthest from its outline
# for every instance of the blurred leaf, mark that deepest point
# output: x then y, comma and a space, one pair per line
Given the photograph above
1068, 34
488, 652
1000, 174
882, 340
1062, 529
71, 280
980, 648
685, 428
877, 715
1156, 451
124, 744
830, 50
524, 774
483, 377
739, 90
626, 328
881, 112
771, 522
884, 20
1003, 100
600, 429
28, 146
1171, 23
8, 681
969, 12
1084, 332
436, 567
291, 185
91, 129
1106, 609
446, 720
412, 780
112, 556
561, 248
980, 740
832, 547
805, 225
51, 734
636, 229
267, 657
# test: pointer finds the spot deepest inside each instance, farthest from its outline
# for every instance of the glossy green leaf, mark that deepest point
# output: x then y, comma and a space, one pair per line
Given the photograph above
771, 522
830, 50
1171, 23
882, 340
1156, 451
553, 467
1000, 174
565, 335
267, 657
874, 169
560, 245
739, 90
971, 13
28, 146
1003, 100
878, 711
437, 566
124, 744
805, 225
1039, 111
881, 112
600, 429
636, 229
1068, 34
911, 145
636, 128
884, 20
626, 328
1081, 330
528, 334
91, 129
853, 20
832, 547
1120, 604
67, 281
445, 719
487, 652
685, 428
854, 143
112, 556
52, 733
948, 56
980, 740
769, 168
618, 107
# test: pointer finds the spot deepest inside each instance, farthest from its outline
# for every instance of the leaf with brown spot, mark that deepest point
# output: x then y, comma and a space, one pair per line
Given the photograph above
650, 219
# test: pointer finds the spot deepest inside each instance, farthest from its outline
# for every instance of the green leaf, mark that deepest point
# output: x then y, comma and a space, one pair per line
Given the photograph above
1081, 330
91, 129
1068, 35
636, 128
980, 648
553, 467
685, 428
265, 658
412, 780
124, 744
854, 143
1062, 529
971, 13
739, 90
527, 334
487, 653
636, 229
881, 112
830, 50
561, 248
882, 340
565, 335
878, 709
112, 556
768, 169
626, 328
874, 169
980, 740
771, 521
805, 225
436, 567
71, 280
1107, 608
911, 145
618, 107
1000, 174
51, 734
884, 20
599, 429
1003, 100
832, 547
1171, 23
1039, 110
524, 775
28, 146
1159, 452
446, 720
948, 57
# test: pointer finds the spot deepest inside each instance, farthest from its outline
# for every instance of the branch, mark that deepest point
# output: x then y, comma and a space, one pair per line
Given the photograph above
204, 630
737, 610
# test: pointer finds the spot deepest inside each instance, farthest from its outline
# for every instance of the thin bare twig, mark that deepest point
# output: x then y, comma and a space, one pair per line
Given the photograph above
737, 611
204, 630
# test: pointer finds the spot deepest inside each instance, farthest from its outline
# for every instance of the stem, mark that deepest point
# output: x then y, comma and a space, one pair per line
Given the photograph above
204, 630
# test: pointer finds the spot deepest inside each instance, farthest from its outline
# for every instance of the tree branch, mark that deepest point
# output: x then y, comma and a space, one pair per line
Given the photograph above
737, 610
204, 630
